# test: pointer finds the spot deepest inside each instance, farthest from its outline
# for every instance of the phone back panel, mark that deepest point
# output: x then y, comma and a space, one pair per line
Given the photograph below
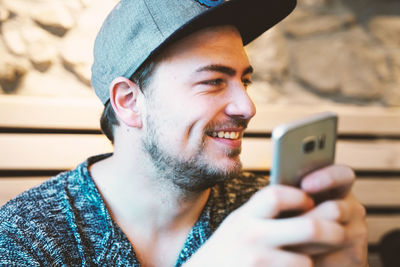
303, 146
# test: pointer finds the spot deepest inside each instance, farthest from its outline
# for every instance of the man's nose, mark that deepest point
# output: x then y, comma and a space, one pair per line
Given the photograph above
240, 104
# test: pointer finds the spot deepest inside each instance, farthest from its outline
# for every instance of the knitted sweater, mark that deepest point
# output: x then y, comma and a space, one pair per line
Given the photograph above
64, 222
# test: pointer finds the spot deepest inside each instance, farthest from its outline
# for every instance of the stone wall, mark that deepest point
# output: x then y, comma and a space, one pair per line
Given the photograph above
327, 51
342, 51
46, 45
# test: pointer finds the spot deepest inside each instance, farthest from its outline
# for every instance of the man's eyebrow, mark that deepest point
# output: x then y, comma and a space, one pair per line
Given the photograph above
224, 69
248, 70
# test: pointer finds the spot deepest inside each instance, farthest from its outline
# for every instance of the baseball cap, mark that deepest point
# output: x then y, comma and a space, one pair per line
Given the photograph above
137, 29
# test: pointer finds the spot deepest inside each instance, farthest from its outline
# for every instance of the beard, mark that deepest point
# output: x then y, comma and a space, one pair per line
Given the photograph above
195, 174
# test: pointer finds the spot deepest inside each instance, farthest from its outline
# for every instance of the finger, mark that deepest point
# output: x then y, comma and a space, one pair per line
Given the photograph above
271, 200
278, 258
312, 249
333, 177
354, 250
357, 226
354, 253
300, 230
333, 210
356, 230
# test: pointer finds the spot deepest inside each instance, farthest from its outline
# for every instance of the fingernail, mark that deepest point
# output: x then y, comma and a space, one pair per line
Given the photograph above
309, 184
314, 184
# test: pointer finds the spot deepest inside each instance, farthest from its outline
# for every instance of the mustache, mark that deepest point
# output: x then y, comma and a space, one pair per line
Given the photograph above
232, 122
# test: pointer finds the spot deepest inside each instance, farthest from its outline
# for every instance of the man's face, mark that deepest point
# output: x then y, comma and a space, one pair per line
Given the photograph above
197, 108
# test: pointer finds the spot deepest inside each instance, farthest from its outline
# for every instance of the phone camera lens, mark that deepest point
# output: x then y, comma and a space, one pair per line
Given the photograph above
309, 146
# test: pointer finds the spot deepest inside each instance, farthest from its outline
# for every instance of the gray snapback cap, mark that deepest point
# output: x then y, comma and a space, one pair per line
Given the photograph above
136, 29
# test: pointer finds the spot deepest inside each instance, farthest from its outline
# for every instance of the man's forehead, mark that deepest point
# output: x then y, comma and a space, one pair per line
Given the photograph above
208, 50
226, 36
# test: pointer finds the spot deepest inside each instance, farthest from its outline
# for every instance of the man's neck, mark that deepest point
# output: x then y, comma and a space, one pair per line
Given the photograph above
135, 192
150, 213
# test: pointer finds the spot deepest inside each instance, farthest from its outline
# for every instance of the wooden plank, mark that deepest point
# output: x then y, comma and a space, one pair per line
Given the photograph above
49, 113
378, 192
366, 155
256, 154
74, 113
352, 119
64, 151
49, 151
13, 186
369, 155
379, 225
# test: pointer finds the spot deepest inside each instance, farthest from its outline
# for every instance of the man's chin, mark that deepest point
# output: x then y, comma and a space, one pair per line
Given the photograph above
234, 153
228, 164
210, 177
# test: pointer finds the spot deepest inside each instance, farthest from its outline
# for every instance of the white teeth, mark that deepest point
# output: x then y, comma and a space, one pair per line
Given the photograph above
226, 135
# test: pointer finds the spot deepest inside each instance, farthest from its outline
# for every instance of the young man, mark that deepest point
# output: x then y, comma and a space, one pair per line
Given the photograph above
173, 77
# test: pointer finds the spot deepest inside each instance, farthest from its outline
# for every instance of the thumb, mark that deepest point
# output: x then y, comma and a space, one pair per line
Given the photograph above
274, 199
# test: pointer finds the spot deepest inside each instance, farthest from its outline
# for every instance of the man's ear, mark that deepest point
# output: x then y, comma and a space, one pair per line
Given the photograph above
123, 98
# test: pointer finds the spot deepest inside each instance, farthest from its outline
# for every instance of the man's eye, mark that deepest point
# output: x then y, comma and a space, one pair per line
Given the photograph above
214, 82
247, 82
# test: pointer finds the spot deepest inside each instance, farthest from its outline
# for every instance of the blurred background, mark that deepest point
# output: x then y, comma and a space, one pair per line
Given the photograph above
336, 51
341, 54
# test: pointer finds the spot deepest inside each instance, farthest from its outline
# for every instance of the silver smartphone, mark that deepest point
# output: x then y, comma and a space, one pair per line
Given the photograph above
302, 146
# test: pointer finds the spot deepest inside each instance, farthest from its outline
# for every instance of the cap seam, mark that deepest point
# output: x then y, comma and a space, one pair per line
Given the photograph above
152, 17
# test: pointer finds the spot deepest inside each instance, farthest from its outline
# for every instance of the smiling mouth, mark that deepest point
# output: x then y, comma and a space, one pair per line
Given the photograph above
225, 135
